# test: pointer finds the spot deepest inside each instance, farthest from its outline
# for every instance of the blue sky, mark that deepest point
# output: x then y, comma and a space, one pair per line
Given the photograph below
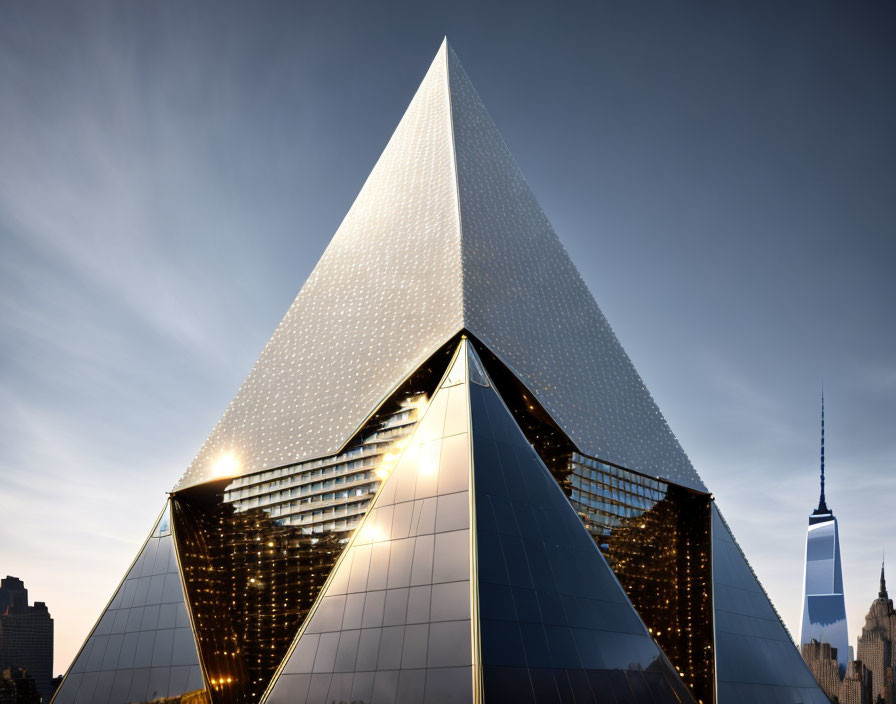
722, 176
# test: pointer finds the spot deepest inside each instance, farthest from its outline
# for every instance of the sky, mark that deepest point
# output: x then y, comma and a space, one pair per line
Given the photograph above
723, 175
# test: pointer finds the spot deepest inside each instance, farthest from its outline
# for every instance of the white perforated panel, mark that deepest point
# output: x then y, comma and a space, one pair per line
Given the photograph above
384, 296
398, 280
524, 298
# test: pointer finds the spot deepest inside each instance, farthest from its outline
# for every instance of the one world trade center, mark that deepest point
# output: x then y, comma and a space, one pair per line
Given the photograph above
824, 609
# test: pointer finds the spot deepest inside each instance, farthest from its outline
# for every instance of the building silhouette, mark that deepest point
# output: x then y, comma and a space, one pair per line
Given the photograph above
822, 660
824, 606
18, 687
856, 686
26, 636
877, 644
443, 481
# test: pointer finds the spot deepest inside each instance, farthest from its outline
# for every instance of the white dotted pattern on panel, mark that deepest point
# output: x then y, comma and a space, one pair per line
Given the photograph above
524, 298
385, 294
398, 280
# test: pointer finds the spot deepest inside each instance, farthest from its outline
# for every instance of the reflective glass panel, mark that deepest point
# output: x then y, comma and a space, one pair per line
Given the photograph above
755, 658
405, 575
139, 651
533, 549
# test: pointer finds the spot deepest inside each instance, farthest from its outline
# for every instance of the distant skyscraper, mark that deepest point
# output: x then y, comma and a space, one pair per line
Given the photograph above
877, 644
856, 686
26, 635
822, 660
824, 609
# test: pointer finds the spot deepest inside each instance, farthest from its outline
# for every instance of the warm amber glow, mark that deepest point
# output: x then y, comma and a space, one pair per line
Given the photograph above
371, 533
429, 459
386, 464
226, 466
417, 402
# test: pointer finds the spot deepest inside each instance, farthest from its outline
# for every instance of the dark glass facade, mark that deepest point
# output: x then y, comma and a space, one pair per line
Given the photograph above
656, 537
756, 660
251, 582
654, 534
555, 623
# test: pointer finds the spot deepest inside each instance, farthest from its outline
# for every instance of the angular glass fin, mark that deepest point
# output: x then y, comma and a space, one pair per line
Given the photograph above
142, 649
555, 624
393, 622
457, 371
756, 661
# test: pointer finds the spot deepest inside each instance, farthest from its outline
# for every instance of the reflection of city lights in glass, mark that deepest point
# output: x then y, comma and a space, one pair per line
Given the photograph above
226, 466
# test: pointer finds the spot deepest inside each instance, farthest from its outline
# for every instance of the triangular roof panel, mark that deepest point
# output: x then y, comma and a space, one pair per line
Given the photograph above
445, 235
384, 296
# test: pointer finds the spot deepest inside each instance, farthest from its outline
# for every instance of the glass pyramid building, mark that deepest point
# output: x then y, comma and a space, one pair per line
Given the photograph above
443, 481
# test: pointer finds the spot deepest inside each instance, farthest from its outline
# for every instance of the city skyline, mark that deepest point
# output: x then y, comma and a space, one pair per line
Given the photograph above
90, 455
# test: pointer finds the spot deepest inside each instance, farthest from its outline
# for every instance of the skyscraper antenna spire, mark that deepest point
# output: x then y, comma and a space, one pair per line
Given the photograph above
883, 582
822, 505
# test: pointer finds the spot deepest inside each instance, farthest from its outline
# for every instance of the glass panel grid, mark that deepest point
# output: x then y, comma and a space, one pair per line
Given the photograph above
142, 648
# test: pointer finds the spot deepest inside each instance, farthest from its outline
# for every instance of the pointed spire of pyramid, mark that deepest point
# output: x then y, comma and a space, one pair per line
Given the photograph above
445, 236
